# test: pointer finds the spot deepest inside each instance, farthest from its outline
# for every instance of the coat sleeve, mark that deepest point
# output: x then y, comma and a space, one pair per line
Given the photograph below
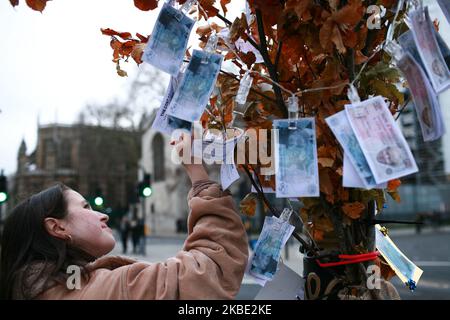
214, 256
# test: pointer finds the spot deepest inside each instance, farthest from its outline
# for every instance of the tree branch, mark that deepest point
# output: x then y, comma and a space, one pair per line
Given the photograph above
251, 89
229, 23
270, 67
277, 59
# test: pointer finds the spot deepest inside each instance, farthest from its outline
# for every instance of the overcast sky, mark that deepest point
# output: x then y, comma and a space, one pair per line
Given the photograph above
53, 64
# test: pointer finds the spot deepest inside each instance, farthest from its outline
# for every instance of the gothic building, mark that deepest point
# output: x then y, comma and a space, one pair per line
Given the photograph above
89, 159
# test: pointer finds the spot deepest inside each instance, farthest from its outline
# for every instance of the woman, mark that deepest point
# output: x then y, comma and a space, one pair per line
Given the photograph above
57, 228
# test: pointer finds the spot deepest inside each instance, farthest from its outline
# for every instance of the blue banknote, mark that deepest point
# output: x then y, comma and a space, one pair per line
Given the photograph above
296, 167
196, 86
167, 45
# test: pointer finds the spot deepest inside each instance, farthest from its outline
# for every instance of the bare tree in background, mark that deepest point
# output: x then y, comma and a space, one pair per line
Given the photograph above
145, 94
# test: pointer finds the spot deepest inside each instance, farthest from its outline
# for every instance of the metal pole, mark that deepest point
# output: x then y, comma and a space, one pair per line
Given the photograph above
144, 236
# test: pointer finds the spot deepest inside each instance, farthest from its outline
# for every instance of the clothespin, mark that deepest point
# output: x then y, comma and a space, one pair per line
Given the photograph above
411, 284
394, 50
286, 214
352, 94
210, 47
384, 231
184, 9
417, 4
390, 33
292, 103
244, 88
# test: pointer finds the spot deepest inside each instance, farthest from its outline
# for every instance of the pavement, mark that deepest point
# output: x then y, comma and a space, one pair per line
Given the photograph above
430, 250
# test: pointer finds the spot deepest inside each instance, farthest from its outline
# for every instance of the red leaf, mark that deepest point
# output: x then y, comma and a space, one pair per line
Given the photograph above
393, 185
223, 3
143, 39
38, 5
353, 210
111, 32
146, 5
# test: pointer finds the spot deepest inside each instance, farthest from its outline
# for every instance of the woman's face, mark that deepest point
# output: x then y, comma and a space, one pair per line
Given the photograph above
87, 227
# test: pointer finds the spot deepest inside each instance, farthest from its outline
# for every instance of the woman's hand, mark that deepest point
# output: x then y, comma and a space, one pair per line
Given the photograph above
196, 172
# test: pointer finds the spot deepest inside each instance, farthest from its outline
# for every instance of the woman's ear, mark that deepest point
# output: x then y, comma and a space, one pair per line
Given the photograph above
55, 228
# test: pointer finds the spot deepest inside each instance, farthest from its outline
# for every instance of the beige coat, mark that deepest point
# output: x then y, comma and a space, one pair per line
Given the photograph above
210, 266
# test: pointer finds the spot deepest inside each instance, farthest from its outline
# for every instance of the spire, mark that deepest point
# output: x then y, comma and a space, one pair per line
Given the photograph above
23, 147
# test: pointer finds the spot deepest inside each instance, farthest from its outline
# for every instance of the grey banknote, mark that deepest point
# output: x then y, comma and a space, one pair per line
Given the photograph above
445, 6
296, 167
408, 44
273, 237
428, 47
425, 99
343, 131
167, 45
383, 144
163, 122
351, 179
196, 86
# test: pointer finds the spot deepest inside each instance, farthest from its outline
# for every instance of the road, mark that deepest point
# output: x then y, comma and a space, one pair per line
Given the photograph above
429, 250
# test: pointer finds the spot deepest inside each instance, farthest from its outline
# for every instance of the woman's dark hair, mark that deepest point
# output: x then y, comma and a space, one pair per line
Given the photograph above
30, 257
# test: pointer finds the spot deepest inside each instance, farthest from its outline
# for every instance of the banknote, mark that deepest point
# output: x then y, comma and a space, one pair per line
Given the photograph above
193, 93
428, 47
273, 237
167, 45
351, 179
286, 285
406, 41
425, 99
228, 175
381, 140
445, 6
296, 167
343, 131
163, 122
404, 268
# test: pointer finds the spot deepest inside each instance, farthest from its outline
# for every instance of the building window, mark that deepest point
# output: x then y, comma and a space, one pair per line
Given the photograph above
66, 154
158, 158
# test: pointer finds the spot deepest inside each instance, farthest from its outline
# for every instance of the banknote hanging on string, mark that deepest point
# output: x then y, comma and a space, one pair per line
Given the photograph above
167, 45
445, 6
296, 166
428, 47
426, 102
381, 140
165, 123
274, 235
404, 268
343, 131
196, 86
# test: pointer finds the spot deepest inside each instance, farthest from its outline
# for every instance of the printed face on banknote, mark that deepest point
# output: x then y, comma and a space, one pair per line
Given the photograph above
381, 140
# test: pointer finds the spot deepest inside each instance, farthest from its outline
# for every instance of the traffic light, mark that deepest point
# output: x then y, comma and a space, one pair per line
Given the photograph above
3, 188
98, 199
145, 186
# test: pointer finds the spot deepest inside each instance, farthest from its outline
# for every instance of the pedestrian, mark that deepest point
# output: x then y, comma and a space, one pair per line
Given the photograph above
124, 232
135, 231
419, 222
56, 229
